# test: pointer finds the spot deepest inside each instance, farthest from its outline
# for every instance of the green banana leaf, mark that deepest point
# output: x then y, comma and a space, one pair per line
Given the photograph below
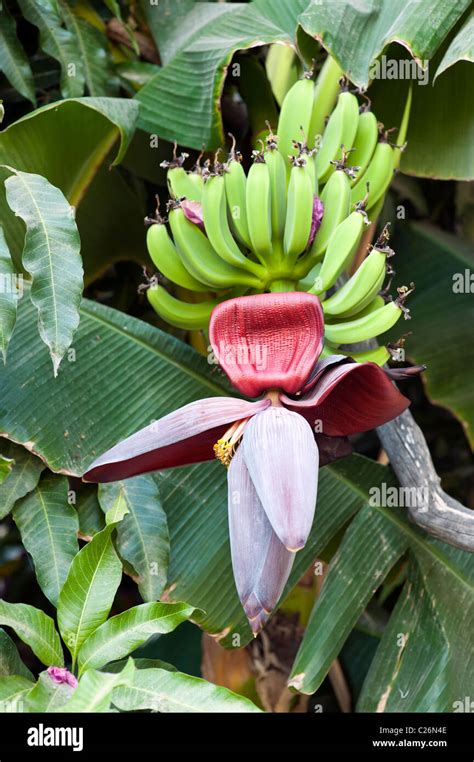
375, 24
182, 101
442, 313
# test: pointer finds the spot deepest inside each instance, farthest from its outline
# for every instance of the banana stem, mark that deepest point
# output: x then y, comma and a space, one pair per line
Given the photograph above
282, 285
402, 132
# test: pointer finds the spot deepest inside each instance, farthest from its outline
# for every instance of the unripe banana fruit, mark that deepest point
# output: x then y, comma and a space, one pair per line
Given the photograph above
167, 260
340, 131
214, 209
259, 208
300, 209
295, 117
360, 289
377, 176
189, 317
367, 327
341, 249
201, 260
335, 197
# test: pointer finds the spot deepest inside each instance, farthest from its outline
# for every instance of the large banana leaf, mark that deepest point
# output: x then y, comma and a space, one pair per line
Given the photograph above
182, 101
372, 25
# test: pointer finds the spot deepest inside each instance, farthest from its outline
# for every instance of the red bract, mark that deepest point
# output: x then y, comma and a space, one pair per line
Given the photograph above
268, 341
267, 344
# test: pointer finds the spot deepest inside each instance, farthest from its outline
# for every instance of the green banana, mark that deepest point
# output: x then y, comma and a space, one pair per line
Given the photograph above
367, 327
364, 143
336, 197
167, 260
196, 181
282, 66
378, 176
259, 208
379, 355
374, 305
340, 251
295, 116
308, 281
235, 187
360, 289
179, 181
325, 97
199, 257
214, 209
300, 209
340, 131
190, 317
182, 186
277, 171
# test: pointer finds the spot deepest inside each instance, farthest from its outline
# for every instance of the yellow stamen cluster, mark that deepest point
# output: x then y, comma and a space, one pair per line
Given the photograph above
224, 448
223, 452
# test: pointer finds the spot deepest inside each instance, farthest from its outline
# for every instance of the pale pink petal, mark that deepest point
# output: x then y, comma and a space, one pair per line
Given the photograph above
281, 455
185, 436
260, 562
193, 211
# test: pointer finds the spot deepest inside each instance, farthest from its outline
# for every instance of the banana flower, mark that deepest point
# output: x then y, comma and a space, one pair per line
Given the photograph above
268, 345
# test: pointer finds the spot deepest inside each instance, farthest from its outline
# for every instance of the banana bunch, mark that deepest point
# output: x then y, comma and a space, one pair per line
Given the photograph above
230, 232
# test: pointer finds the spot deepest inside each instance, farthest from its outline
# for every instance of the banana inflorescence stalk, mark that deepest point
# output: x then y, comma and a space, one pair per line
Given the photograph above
293, 221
